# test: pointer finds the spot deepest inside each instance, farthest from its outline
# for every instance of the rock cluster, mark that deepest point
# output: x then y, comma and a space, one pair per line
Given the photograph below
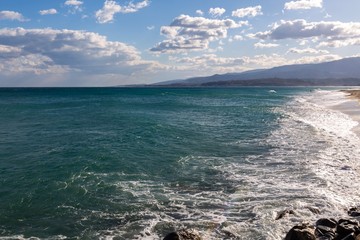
323, 229
328, 229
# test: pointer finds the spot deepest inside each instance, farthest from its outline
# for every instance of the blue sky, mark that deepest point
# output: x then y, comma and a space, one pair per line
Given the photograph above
116, 42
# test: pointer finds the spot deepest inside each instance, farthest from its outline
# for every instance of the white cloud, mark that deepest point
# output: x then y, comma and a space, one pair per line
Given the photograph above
193, 33
106, 14
111, 7
216, 12
134, 7
11, 15
48, 51
199, 12
238, 37
303, 4
265, 45
150, 28
316, 59
247, 12
307, 51
73, 3
354, 41
326, 32
48, 11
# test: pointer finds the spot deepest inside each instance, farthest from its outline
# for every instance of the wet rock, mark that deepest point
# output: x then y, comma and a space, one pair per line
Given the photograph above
172, 236
327, 222
301, 232
323, 232
347, 227
351, 236
314, 210
354, 212
183, 234
284, 213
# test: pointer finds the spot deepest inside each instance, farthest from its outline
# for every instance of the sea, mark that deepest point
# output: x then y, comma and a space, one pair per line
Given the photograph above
138, 163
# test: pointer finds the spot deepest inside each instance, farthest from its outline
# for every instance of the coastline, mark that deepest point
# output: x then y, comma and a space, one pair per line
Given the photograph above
354, 94
351, 107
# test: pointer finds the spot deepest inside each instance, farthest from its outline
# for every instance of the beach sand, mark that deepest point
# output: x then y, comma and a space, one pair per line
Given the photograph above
351, 107
354, 94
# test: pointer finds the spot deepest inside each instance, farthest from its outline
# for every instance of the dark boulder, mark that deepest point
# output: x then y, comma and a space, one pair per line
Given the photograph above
327, 222
323, 232
347, 227
301, 232
172, 236
354, 212
183, 234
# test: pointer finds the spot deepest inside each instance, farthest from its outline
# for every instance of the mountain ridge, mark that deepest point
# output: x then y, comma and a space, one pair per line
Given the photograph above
334, 73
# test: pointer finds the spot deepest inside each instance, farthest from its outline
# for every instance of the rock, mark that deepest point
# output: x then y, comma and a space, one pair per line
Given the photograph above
327, 222
301, 232
314, 210
351, 236
357, 237
324, 232
172, 236
354, 212
183, 234
346, 227
284, 213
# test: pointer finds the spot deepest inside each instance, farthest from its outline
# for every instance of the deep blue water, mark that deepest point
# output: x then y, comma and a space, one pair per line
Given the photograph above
136, 163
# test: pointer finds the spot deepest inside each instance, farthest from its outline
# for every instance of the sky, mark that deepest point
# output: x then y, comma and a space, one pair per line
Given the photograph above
78, 43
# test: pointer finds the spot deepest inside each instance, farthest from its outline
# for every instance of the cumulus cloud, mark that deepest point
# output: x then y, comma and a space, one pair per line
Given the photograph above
134, 7
316, 59
11, 15
303, 4
265, 45
328, 32
307, 51
111, 7
73, 3
237, 38
199, 12
216, 12
193, 33
45, 51
247, 12
48, 11
106, 14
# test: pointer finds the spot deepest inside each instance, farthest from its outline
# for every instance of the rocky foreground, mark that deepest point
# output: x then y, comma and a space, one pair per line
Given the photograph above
323, 229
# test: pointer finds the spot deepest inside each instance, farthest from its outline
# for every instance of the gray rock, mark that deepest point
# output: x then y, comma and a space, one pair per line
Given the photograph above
284, 213
301, 232
314, 210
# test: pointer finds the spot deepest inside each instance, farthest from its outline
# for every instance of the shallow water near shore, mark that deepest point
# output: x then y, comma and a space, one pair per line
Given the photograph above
103, 163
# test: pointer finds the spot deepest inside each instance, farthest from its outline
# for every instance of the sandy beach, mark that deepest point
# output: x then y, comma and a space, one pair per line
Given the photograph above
352, 107
355, 94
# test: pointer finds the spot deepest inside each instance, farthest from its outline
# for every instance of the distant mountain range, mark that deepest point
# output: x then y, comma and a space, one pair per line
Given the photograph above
344, 72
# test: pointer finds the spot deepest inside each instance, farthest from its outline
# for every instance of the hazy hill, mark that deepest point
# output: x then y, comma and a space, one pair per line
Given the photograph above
341, 72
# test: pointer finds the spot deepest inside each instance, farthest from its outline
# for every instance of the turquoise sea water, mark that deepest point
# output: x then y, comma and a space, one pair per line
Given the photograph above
133, 163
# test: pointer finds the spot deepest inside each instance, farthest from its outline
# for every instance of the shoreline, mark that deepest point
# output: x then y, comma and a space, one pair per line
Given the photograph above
351, 107
353, 94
